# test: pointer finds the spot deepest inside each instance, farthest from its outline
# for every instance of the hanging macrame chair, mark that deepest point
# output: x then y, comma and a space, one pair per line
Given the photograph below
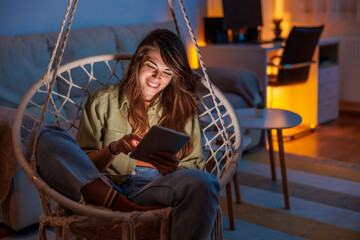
44, 104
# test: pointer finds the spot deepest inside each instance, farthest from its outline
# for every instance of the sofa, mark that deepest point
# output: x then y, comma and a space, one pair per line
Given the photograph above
23, 60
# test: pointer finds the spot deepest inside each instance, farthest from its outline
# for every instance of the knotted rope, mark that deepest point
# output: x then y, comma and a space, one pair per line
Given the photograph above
58, 62
202, 64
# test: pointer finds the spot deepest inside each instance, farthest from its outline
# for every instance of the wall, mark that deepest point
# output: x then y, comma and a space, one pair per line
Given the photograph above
35, 16
24, 16
341, 17
196, 11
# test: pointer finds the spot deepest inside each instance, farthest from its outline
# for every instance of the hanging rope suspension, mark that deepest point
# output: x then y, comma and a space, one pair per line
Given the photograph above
58, 62
202, 64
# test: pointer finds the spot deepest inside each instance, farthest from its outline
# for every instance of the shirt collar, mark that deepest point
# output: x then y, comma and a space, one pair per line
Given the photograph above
125, 102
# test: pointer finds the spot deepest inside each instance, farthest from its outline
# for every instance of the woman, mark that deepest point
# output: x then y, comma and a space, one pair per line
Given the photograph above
159, 88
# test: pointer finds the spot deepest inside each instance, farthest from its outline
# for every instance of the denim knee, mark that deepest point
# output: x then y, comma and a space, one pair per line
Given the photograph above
61, 162
201, 183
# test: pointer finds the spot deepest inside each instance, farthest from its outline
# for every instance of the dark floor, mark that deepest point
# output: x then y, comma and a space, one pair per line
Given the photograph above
338, 139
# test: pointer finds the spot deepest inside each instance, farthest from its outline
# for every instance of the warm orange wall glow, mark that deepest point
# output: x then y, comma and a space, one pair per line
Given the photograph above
193, 57
214, 8
279, 9
300, 98
286, 25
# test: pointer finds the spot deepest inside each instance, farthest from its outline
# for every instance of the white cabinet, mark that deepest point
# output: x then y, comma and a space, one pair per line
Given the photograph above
328, 81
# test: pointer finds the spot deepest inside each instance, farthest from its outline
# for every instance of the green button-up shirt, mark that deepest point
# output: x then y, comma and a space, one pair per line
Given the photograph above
104, 120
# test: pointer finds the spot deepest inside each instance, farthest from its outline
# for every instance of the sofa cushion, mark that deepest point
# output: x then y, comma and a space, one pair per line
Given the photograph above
85, 43
236, 100
242, 87
125, 38
23, 60
128, 37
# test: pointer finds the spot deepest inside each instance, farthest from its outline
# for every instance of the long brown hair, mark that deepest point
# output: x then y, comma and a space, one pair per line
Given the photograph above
177, 100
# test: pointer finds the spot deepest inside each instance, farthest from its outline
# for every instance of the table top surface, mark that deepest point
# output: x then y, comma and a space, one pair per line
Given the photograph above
272, 118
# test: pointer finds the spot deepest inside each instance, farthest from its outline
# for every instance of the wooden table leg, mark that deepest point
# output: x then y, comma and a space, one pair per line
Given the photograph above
271, 155
230, 206
237, 187
283, 168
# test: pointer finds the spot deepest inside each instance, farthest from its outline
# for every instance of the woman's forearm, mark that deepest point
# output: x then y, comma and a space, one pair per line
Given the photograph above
102, 158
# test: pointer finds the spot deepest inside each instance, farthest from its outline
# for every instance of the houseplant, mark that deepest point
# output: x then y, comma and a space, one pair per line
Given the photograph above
259, 110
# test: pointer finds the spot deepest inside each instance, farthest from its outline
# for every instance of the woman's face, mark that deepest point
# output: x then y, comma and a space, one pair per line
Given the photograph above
154, 75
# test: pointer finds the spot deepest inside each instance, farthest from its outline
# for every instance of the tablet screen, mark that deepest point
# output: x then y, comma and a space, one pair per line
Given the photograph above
159, 139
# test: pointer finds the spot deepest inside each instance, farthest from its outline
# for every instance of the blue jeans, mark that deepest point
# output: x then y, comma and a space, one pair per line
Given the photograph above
137, 180
193, 193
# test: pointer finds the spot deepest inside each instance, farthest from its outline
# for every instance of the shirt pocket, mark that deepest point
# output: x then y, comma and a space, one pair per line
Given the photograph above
113, 135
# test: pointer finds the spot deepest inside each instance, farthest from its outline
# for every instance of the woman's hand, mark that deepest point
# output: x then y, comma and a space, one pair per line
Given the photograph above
126, 144
165, 162
103, 158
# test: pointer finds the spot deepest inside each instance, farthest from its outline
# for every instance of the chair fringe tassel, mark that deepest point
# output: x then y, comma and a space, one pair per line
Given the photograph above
165, 228
41, 232
61, 225
62, 228
217, 230
128, 230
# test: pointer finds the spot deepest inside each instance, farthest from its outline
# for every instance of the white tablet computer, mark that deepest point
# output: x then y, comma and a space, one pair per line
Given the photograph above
159, 139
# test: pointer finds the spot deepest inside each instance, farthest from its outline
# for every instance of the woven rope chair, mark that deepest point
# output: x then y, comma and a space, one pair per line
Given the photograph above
58, 98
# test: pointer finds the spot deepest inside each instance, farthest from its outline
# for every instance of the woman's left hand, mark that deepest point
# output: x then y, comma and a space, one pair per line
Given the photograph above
165, 162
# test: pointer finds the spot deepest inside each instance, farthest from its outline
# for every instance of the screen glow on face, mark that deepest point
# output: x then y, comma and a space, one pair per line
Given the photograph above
154, 75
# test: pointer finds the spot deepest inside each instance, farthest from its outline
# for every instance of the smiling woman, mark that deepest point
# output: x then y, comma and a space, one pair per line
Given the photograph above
159, 88
113, 103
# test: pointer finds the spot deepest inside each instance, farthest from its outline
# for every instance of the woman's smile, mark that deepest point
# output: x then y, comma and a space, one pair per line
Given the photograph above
152, 84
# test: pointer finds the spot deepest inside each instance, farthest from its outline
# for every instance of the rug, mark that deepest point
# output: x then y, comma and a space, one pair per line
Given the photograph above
324, 200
